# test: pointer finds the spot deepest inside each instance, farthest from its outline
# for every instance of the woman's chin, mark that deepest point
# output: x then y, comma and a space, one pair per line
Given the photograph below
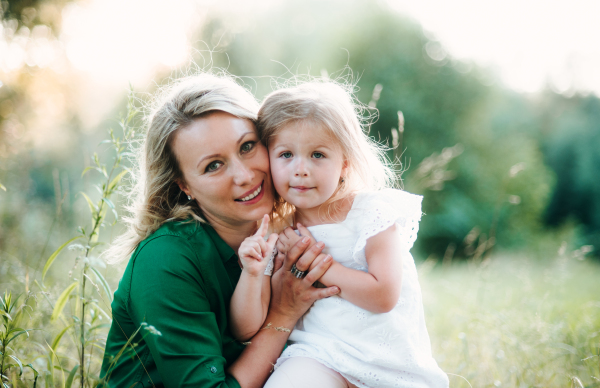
255, 211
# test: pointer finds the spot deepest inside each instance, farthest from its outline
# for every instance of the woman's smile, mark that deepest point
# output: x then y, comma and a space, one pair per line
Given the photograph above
253, 196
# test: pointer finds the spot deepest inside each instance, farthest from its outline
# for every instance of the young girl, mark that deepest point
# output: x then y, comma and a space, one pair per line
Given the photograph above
331, 182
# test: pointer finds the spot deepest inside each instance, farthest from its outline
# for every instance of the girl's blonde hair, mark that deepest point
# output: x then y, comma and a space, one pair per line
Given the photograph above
330, 105
155, 196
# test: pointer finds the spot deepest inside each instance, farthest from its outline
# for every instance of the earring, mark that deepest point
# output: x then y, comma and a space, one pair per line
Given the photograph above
342, 180
189, 197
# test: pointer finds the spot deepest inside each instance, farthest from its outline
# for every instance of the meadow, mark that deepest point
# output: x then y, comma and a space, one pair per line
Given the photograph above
496, 317
510, 321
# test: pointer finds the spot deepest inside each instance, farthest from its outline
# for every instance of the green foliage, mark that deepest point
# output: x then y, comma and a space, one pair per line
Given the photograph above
84, 322
12, 313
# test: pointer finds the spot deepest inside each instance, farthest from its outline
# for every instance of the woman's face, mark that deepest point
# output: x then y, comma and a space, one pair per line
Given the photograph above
225, 169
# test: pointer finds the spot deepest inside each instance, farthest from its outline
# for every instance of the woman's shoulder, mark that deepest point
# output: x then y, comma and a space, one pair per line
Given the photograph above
177, 241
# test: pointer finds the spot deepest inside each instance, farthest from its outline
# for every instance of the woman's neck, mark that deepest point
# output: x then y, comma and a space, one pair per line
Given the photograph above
233, 235
329, 214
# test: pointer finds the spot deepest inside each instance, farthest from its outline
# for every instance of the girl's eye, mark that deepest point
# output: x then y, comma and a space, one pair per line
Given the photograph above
318, 155
286, 155
213, 166
248, 146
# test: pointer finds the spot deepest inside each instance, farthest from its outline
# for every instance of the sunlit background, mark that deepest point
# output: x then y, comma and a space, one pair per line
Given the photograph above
494, 107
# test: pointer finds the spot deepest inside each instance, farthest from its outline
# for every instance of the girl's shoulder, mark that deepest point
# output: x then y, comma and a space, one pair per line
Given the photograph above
375, 211
397, 202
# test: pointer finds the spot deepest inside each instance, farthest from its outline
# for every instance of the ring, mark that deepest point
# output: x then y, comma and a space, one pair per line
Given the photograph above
296, 272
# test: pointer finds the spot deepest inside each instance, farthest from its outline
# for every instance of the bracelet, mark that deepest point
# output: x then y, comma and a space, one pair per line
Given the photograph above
270, 326
278, 328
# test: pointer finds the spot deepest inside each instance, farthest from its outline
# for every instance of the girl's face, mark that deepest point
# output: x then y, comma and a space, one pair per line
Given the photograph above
225, 169
306, 164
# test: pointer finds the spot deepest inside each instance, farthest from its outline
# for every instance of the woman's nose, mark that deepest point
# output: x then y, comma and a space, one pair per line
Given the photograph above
242, 174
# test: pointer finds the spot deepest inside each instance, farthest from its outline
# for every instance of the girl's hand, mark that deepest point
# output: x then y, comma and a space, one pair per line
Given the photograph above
255, 252
289, 237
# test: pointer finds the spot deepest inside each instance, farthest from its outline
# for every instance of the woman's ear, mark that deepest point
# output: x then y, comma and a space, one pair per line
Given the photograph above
183, 186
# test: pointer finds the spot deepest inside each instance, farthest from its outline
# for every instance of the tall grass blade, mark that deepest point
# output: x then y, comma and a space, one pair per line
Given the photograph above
59, 337
90, 203
71, 376
7, 315
35, 374
54, 255
104, 283
19, 363
51, 369
116, 180
62, 301
18, 334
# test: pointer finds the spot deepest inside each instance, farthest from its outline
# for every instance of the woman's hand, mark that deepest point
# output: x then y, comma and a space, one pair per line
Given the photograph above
292, 297
255, 252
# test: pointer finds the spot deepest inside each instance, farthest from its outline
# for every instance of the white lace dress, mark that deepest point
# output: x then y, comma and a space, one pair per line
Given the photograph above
371, 350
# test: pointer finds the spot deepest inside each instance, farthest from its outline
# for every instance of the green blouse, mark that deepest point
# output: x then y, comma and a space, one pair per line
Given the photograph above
180, 281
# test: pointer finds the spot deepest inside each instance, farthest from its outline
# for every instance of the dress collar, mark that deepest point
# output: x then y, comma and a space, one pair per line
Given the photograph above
225, 251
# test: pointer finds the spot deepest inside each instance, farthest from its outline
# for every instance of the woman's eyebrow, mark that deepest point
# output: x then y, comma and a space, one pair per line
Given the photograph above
207, 157
216, 155
244, 135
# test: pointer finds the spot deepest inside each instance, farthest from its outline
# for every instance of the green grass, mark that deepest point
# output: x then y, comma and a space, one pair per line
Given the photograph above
515, 322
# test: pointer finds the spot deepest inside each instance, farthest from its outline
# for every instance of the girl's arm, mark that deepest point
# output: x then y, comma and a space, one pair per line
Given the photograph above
250, 300
291, 298
249, 305
379, 289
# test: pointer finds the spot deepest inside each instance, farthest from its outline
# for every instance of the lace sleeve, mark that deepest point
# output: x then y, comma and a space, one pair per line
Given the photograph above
379, 210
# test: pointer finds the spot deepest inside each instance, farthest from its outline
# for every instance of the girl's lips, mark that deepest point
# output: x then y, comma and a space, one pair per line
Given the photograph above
301, 189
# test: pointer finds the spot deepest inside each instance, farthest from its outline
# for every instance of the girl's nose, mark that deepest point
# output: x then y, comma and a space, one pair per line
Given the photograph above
301, 170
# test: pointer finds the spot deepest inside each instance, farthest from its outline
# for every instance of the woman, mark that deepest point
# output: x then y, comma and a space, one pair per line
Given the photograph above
204, 183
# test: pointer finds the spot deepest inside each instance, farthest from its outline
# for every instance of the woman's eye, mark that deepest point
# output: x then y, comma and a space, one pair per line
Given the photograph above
248, 146
318, 155
213, 166
286, 155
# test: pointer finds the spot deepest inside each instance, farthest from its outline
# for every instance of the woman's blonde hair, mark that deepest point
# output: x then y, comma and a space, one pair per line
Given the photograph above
330, 105
155, 196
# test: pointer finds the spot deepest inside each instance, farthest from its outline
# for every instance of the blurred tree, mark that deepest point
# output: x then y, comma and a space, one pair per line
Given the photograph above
571, 128
30, 13
444, 102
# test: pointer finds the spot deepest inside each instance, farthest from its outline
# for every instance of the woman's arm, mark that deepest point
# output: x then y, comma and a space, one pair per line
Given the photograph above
167, 294
377, 290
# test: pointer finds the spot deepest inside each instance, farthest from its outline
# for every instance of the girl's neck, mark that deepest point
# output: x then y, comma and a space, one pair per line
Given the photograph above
329, 214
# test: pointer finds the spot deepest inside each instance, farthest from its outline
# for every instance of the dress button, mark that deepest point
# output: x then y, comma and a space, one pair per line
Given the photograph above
213, 369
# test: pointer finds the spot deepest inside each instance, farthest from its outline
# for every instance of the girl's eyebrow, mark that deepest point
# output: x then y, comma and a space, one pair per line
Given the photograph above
286, 145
